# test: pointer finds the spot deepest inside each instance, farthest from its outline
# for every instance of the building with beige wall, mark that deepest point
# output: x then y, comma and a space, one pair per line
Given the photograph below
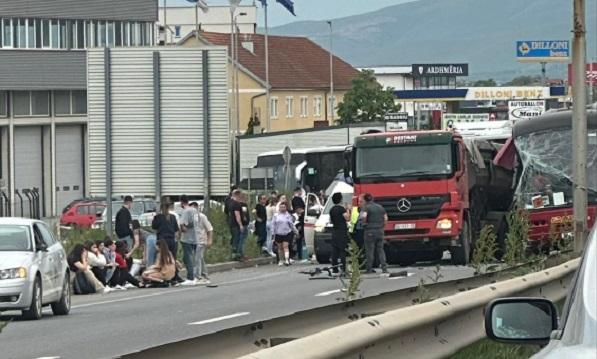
299, 80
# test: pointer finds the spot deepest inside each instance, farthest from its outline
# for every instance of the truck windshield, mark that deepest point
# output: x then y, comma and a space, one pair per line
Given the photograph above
414, 161
547, 167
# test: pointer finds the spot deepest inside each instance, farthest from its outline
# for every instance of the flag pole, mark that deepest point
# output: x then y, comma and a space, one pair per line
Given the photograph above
165, 21
197, 19
267, 86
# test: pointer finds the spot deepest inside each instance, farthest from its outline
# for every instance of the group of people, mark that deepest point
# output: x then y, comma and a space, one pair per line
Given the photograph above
367, 222
103, 266
279, 224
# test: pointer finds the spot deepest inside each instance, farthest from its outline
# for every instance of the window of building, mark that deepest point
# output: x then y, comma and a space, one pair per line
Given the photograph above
289, 107
31, 34
332, 105
21, 103
7, 33
80, 34
110, 40
304, 106
118, 33
274, 107
38, 33
40, 103
317, 104
63, 35
21, 33
67, 103
177, 31
3, 104
45, 33
126, 30
55, 34
101, 33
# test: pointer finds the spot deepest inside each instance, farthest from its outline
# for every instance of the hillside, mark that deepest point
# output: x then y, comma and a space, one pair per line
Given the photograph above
480, 32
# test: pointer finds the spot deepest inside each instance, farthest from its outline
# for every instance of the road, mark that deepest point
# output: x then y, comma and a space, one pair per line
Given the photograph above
109, 325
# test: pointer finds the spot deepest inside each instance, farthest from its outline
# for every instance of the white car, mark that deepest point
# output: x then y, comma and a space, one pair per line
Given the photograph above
33, 269
535, 320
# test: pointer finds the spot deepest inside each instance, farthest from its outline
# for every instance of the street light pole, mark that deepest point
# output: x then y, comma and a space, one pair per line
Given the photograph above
331, 74
579, 126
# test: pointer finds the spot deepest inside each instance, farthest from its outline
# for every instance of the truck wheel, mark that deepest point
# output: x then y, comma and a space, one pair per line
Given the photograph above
461, 254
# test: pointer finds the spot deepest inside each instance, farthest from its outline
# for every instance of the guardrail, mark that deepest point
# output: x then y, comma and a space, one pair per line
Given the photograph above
431, 330
246, 339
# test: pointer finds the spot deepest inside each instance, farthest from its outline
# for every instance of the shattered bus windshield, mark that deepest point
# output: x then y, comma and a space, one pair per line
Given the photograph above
547, 167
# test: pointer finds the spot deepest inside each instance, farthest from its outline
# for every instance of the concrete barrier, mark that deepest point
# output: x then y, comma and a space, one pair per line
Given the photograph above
431, 330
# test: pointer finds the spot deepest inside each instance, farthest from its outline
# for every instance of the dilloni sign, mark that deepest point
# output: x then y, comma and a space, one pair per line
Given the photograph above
543, 51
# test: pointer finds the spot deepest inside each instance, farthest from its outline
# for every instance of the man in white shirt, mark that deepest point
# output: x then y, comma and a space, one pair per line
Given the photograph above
204, 232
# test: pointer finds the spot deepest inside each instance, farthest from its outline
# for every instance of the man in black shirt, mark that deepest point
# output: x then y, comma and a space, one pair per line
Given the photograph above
239, 221
298, 207
227, 202
260, 222
339, 217
124, 222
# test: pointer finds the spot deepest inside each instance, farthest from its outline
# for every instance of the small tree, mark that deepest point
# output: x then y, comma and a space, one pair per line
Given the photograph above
517, 236
485, 83
485, 248
367, 101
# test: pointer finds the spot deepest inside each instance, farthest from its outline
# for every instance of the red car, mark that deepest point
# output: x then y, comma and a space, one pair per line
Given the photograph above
82, 214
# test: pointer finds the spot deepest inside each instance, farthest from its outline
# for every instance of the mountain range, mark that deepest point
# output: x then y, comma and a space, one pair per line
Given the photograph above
479, 32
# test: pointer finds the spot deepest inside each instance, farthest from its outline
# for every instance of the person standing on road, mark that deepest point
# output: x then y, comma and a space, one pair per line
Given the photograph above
124, 222
261, 223
298, 207
270, 211
227, 202
339, 216
166, 228
283, 230
239, 221
374, 220
205, 235
188, 221
146, 240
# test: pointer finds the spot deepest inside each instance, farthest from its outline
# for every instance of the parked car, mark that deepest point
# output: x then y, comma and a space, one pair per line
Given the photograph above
214, 204
535, 320
33, 269
322, 229
143, 210
82, 214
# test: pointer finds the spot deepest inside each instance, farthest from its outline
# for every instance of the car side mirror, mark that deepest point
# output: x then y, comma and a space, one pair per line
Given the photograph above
521, 320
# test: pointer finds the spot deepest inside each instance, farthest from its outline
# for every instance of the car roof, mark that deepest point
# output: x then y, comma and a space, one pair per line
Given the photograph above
17, 221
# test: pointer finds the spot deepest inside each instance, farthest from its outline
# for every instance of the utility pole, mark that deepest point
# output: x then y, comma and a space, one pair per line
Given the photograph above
579, 127
267, 87
233, 92
331, 74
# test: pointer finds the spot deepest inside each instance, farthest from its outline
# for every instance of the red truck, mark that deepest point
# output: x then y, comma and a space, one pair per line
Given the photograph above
439, 189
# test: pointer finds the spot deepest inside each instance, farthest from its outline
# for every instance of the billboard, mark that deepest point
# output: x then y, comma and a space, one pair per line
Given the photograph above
591, 74
522, 110
439, 70
543, 51
507, 93
449, 119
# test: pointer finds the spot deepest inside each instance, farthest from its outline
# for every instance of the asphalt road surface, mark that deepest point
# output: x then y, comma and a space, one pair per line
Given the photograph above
117, 323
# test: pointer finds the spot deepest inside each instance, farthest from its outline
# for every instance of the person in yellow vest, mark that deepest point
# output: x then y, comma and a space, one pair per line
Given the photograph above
356, 228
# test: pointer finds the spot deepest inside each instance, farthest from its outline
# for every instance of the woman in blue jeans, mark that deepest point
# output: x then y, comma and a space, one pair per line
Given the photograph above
146, 239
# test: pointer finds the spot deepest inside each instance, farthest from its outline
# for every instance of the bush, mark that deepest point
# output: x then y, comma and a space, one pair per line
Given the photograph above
75, 236
485, 248
517, 236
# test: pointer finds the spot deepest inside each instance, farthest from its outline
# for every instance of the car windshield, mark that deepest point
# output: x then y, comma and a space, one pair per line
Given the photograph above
414, 161
346, 198
15, 239
546, 179
580, 321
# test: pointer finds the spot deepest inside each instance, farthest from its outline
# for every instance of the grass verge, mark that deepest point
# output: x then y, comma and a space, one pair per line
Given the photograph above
489, 349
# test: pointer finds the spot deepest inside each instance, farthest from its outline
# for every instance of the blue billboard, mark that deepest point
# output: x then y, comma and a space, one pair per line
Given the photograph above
543, 51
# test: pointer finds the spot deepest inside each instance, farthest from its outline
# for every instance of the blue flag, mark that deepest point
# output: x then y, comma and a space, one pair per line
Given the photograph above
263, 2
288, 4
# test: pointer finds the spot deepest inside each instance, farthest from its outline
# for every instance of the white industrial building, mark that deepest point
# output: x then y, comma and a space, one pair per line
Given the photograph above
399, 77
182, 20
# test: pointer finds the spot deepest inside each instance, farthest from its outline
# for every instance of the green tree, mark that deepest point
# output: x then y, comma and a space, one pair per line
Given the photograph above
524, 81
485, 83
367, 101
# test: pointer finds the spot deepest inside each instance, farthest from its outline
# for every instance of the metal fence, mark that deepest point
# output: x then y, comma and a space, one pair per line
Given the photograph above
26, 205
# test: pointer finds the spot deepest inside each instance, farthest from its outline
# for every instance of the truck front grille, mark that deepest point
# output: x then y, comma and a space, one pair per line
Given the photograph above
421, 207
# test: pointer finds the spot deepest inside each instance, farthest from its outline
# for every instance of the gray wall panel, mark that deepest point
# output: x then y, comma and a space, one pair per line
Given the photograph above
141, 10
42, 70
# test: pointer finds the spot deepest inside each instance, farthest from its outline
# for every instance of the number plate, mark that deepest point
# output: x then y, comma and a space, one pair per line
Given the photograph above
405, 226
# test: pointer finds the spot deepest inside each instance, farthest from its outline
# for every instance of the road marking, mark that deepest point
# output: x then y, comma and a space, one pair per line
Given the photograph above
329, 292
48, 358
171, 291
218, 319
409, 274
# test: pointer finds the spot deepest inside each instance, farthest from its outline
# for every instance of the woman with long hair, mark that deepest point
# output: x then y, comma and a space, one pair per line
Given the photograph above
121, 276
166, 226
87, 282
164, 268
283, 229
96, 260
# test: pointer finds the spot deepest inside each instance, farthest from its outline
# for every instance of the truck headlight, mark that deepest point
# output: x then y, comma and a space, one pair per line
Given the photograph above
13, 273
444, 224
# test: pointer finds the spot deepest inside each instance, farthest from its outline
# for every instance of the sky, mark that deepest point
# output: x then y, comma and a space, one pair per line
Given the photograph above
308, 9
